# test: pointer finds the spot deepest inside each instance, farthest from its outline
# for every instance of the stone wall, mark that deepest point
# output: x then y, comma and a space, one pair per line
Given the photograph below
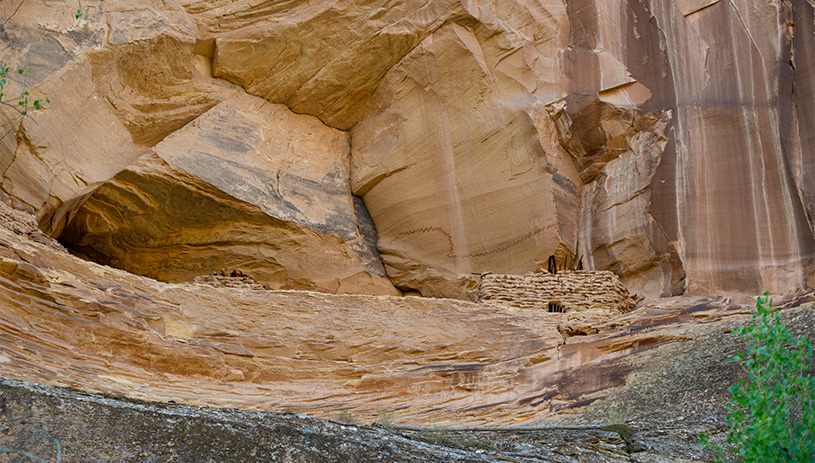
570, 291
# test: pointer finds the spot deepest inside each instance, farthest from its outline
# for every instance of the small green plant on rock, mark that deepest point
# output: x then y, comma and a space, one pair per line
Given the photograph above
346, 417
385, 419
24, 102
771, 415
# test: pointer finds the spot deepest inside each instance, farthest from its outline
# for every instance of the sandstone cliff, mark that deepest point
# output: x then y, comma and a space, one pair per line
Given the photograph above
429, 362
670, 142
340, 157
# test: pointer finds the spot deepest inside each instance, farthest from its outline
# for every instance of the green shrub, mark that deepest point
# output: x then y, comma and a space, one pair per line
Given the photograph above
771, 416
346, 417
386, 420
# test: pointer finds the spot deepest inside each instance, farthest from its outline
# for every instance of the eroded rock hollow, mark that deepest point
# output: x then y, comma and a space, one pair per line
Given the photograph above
666, 141
269, 185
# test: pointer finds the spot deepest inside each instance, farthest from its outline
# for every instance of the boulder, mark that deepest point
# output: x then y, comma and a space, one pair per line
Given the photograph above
249, 185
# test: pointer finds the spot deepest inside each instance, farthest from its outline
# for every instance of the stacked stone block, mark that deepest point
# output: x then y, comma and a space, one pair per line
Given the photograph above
570, 291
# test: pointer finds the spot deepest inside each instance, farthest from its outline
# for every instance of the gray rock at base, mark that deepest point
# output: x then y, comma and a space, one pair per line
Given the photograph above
50, 424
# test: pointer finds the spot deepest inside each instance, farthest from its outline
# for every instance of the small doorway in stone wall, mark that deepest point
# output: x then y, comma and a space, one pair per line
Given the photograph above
554, 307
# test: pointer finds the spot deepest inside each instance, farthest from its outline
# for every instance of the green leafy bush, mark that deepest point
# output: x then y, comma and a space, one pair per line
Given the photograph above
772, 413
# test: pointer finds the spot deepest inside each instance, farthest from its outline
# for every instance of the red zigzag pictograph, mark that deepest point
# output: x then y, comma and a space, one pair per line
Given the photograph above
451, 254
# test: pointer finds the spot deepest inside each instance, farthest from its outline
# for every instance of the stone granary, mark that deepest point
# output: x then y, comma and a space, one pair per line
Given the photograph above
569, 291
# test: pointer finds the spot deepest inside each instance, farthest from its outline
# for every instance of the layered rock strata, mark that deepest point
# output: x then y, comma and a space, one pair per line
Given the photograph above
66, 321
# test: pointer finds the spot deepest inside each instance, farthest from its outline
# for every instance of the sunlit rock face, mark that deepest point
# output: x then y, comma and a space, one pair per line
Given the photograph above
248, 185
320, 58
667, 141
117, 83
453, 171
652, 138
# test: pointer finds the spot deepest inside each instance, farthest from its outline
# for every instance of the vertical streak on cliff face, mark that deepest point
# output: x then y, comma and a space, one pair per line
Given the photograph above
644, 45
738, 224
667, 201
686, 53
582, 66
437, 123
800, 73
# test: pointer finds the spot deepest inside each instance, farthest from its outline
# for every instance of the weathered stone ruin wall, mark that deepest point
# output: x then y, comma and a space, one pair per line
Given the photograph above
571, 291
233, 280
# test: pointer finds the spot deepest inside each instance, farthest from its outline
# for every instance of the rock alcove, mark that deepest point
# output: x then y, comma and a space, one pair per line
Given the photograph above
479, 138
183, 137
248, 185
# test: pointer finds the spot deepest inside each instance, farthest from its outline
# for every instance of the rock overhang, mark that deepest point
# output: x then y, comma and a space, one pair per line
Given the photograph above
595, 118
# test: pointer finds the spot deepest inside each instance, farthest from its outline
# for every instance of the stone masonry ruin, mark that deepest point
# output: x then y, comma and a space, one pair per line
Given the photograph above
569, 291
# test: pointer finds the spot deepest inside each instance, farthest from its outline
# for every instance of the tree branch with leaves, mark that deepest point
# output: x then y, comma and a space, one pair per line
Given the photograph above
771, 415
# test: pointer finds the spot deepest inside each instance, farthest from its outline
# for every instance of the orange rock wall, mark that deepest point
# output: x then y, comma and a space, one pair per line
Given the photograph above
668, 141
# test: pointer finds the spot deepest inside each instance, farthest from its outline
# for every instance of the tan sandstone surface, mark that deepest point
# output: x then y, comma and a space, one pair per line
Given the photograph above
248, 185
66, 321
348, 156
485, 135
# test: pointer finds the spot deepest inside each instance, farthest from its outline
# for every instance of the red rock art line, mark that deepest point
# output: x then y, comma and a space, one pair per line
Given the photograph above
451, 254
